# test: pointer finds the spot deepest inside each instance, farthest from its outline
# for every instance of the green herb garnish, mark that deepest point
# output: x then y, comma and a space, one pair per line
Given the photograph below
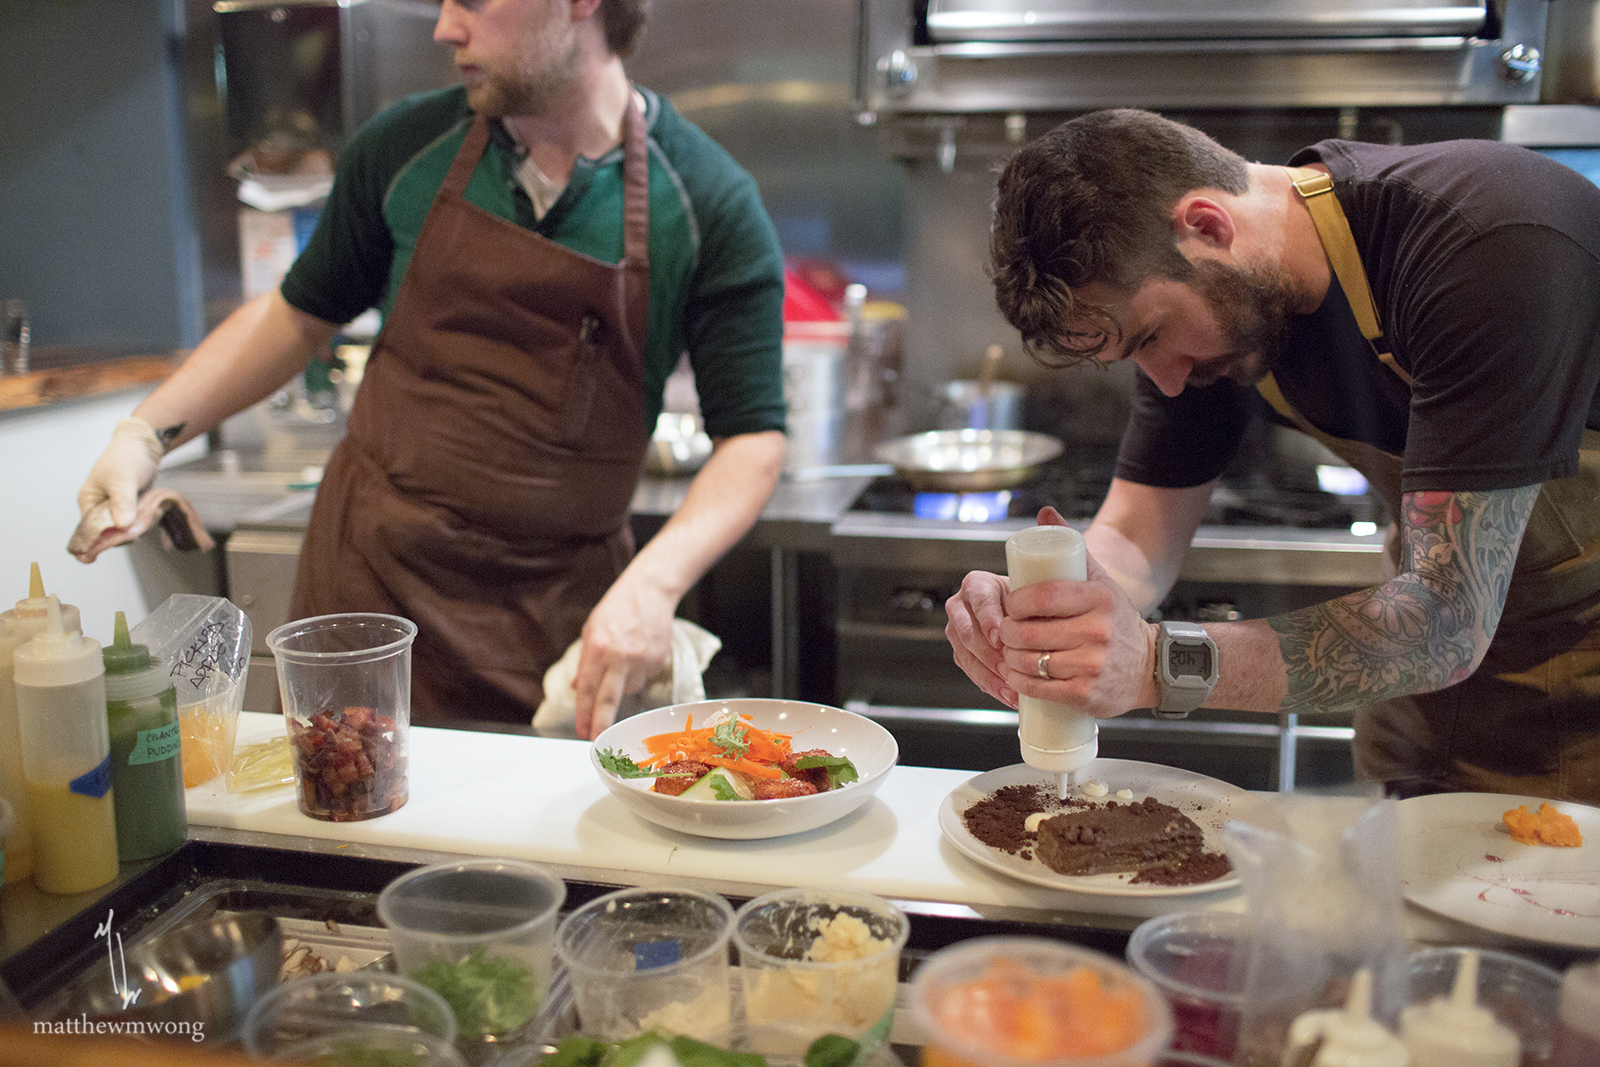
730, 736
840, 770
624, 767
489, 994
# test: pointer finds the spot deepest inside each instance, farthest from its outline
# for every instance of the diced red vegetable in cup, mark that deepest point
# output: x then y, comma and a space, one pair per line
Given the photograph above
352, 764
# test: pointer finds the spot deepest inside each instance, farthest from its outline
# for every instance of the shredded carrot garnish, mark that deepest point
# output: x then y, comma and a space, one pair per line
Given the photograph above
764, 749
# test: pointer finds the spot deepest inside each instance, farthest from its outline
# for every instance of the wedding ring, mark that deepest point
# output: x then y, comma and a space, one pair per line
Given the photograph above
1044, 665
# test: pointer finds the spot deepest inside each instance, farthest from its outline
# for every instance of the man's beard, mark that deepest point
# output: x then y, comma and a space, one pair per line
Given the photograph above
1254, 307
533, 92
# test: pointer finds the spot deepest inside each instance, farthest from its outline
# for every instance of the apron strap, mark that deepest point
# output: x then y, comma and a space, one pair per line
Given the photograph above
1316, 189
467, 156
635, 187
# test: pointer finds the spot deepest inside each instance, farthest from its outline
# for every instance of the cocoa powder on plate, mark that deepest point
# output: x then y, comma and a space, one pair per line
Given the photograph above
999, 820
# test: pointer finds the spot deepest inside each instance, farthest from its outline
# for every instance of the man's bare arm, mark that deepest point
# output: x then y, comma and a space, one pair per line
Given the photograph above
1423, 630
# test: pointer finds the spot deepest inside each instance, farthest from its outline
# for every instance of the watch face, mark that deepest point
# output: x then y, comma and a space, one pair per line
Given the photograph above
1190, 660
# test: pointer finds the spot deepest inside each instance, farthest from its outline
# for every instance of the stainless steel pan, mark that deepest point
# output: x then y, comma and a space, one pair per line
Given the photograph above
963, 461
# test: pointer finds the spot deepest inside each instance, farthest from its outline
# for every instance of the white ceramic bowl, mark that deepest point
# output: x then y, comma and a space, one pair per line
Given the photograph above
870, 747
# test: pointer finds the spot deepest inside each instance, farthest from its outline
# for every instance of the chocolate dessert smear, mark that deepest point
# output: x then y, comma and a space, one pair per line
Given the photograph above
1154, 842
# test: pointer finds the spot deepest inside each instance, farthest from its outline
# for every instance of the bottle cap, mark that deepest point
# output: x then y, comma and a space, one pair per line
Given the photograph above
30, 614
122, 656
129, 672
1454, 1031
55, 657
1349, 1036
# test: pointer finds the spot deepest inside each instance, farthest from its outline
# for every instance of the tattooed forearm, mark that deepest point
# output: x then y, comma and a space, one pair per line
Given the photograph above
1426, 628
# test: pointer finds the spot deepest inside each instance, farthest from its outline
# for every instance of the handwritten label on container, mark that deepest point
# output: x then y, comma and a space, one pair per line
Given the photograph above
153, 746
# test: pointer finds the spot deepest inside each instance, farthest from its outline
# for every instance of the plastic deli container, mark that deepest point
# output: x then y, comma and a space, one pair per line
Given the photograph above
650, 959
346, 687
480, 933
1198, 959
1029, 1001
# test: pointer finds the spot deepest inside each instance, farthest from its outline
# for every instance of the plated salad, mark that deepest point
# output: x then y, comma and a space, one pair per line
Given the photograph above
731, 759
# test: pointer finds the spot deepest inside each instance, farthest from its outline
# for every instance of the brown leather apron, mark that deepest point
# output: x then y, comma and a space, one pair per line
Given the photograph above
482, 488
1528, 720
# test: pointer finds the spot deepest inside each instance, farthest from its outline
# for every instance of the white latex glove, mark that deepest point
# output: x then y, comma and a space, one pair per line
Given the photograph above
124, 469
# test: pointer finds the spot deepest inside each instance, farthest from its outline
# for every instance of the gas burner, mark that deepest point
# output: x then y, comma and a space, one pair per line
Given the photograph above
962, 507
1075, 484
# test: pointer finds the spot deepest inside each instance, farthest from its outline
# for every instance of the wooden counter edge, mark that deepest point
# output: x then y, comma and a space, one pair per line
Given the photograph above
41, 388
22, 1046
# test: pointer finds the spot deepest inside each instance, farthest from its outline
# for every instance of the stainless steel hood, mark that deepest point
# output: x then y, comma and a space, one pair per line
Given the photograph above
962, 21
930, 59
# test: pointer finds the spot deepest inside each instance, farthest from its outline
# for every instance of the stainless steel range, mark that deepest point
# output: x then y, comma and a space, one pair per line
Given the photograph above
1268, 545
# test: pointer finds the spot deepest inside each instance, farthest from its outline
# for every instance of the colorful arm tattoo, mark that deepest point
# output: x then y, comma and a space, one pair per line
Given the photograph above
1422, 630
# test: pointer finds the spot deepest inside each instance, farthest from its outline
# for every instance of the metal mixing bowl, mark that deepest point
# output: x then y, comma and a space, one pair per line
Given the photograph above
206, 972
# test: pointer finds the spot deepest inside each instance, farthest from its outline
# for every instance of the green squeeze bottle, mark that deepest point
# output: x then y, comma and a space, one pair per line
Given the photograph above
146, 771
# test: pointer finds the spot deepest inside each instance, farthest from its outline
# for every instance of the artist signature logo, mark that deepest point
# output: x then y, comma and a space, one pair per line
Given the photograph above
117, 960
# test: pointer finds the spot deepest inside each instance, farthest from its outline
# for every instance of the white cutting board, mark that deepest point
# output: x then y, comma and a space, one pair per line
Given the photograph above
540, 799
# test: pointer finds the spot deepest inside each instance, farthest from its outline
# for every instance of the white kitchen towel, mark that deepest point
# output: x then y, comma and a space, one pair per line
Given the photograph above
682, 682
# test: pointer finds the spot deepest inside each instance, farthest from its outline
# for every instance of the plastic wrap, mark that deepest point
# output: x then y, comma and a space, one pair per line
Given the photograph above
1324, 902
205, 643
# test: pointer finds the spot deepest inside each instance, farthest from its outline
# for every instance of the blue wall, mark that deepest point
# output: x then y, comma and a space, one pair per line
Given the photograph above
96, 232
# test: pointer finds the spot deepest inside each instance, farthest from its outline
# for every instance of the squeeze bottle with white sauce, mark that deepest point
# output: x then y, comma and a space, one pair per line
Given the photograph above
146, 773
1056, 738
1454, 1031
1347, 1036
66, 758
18, 625
1578, 1025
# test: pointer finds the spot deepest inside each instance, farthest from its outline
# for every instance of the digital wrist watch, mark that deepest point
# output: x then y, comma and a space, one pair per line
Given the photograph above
1186, 668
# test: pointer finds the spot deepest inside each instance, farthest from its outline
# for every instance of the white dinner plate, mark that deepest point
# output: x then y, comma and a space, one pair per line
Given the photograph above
1458, 859
1210, 802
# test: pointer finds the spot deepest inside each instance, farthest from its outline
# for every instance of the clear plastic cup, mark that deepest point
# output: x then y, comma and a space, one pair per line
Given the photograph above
815, 962
1198, 959
318, 1006
1032, 1001
479, 933
345, 681
650, 959
362, 1046
1521, 994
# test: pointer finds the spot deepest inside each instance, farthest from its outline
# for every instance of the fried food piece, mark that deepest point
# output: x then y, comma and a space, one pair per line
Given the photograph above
1546, 827
685, 772
781, 788
817, 776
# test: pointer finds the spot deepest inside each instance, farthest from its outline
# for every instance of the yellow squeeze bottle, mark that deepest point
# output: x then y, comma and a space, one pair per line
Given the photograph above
18, 626
66, 758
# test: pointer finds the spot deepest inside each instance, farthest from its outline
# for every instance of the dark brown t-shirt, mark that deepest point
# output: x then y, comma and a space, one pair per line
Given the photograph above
1484, 261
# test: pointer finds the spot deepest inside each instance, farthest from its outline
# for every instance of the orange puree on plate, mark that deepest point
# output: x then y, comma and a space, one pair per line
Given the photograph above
1548, 827
1017, 1012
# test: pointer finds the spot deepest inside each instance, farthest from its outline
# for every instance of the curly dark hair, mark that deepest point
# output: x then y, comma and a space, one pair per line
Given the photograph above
624, 23
1091, 201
